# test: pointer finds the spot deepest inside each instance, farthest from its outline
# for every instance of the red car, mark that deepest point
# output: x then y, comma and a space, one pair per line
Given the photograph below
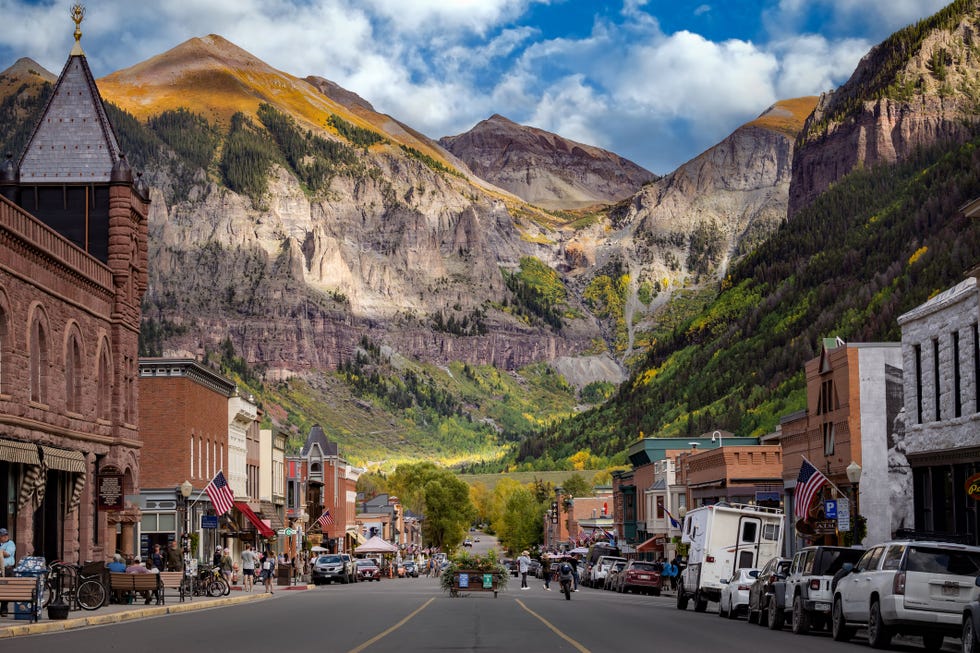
640, 576
367, 569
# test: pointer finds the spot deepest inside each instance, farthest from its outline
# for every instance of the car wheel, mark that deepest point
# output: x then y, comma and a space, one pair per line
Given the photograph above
932, 641
681, 597
801, 620
969, 638
700, 603
839, 629
774, 615
879, 635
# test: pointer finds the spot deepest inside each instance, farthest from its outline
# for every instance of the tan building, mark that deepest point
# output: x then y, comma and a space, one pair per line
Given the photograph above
736, 474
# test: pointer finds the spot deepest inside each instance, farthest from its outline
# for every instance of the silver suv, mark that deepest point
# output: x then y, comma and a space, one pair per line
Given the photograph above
907, 587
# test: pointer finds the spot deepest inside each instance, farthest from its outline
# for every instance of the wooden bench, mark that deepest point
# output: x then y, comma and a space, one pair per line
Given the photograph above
123, 582
171, 580
22, 590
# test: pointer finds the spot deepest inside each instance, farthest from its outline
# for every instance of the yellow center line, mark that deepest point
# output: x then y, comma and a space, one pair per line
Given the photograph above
398, 625
554, 629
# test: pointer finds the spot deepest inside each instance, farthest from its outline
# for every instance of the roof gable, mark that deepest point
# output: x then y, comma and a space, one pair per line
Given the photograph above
73, 142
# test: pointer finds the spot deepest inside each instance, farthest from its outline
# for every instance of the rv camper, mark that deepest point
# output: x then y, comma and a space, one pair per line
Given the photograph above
723, 538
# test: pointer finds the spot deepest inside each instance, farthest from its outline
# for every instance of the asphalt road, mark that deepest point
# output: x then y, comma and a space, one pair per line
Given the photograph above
408, 615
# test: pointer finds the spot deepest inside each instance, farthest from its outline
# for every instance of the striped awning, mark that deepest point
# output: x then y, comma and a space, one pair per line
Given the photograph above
63, 459
24, 453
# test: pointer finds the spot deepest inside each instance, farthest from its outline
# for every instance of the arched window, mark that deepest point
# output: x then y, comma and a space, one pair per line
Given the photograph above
39, 361
73, 375
104, 387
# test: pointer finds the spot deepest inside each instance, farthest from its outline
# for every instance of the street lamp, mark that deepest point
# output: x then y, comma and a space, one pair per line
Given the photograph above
854, 476
183, 494
717, 434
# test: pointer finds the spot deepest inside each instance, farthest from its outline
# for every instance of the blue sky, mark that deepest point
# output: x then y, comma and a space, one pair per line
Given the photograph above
656, 81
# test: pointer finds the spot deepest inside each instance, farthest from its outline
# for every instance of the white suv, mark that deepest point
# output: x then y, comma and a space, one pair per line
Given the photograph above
601, 569
907, 587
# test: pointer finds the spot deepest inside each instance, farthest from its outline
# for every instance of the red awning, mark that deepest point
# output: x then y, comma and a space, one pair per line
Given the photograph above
655, 543
260, 526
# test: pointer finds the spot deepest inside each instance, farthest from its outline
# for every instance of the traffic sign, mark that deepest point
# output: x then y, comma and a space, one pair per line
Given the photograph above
830, 508
286, 531
843, 515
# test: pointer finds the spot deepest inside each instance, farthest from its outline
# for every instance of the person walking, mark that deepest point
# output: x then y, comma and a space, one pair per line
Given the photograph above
268, 570
523, 563
8, 554
249, 558
546, 570
175, 558
156, 558
227, 566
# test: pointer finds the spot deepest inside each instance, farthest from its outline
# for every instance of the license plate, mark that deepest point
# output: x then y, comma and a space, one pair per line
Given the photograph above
644, 577
822, 607
951, 589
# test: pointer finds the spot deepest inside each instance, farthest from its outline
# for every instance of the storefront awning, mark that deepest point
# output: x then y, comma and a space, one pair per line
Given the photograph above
360, 539
655, 543
260, 526
63, 459
19, 452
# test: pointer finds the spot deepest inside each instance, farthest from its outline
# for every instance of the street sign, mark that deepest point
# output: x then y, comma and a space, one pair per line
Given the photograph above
824, 526
830, 508
843, 515
209, 521
286, 531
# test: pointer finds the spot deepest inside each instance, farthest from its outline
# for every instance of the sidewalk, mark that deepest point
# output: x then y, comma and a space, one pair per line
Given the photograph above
115, 613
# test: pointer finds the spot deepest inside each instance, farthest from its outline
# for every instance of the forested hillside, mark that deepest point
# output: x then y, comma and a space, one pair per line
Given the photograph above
877, 244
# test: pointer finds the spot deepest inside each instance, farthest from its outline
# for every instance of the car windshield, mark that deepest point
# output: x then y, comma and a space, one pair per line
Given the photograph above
365, 563
829, 561
944, 561
643, 566
328, 560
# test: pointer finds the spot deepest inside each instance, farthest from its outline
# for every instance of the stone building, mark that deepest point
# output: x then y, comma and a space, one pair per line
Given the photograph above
938, 438
72, 275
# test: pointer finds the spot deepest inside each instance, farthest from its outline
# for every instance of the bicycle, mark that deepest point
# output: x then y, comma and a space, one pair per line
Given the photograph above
210, 582
74, 584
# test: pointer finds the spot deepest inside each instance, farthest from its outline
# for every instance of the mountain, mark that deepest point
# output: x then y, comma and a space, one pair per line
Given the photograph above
873, 244
24, 90
349, 271
545, 169
918, 87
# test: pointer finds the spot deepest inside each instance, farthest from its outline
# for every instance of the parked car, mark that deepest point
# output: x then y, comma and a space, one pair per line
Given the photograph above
351, 569
806, 596
609, 582
534, 569
368, 569
735, 594
411, 569
596, 551
329, 568
761, 591
467, 542
913, 588
640, 576
970, 635
597, 574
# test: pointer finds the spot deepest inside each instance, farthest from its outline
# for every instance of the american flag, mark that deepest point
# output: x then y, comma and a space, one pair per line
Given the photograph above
325, 519
220, 494
808, 483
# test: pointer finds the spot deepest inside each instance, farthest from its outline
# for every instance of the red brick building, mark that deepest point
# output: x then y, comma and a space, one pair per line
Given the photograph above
72, 275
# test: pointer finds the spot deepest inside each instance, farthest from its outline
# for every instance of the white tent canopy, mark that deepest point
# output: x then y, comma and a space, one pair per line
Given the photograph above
376, 545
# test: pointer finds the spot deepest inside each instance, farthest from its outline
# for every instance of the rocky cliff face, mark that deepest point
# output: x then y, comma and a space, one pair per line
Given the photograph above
543, 168
918, 88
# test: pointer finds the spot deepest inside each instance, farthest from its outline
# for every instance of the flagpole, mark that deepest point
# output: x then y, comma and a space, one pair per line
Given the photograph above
829, 482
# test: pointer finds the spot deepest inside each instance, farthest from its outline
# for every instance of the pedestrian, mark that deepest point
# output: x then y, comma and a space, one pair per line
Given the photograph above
268, 570
675, 571
227, 566
175, 558
216, 560
546, 570
156, 558
249, 558
8, 551
523, 563
574, 562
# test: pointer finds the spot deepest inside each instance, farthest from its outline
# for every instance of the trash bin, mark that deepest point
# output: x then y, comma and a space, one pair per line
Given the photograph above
30, 566
283, 575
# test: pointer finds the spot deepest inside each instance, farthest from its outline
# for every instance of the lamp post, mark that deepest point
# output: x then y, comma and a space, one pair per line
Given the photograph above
854, 477
717, 434
183, 492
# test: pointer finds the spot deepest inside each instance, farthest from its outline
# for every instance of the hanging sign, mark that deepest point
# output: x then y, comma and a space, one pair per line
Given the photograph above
973, 487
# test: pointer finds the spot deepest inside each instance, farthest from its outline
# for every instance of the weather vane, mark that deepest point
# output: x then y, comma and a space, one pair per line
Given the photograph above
77, 14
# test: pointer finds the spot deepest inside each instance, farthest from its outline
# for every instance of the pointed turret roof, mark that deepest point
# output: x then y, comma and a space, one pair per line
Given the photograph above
73, 141
318, 437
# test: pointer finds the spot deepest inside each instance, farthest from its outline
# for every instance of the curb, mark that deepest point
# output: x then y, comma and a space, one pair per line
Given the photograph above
128, 615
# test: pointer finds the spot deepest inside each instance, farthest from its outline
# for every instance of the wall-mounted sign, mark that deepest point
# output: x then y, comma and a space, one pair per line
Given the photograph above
110, 489
209, 521
973, 487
